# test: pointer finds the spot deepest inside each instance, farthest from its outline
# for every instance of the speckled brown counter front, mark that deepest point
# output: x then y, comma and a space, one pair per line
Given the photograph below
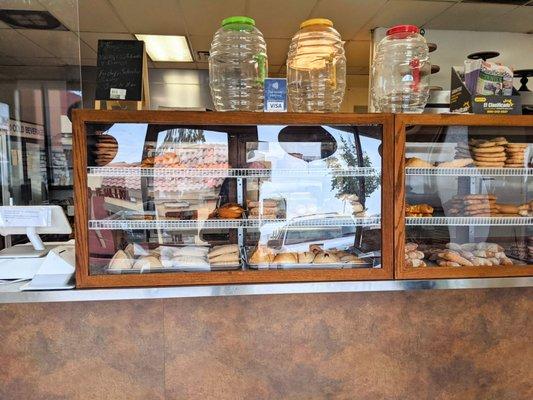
462, 344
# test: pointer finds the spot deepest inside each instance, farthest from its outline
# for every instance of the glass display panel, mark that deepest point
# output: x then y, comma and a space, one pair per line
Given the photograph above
207, 198
469, 196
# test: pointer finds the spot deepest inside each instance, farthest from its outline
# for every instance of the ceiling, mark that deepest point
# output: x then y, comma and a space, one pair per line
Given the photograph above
277, 19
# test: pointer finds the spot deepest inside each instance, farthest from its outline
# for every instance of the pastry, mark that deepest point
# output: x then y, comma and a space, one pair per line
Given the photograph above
187, 261
448, 263
262, 255
306, 257
415, 263
488, 150
411, 246
454, 256
417, 162
120, 261
457, 163
230, 211
419, 209
192, 251
508, 208
326, 258
224, 249
148, 262
225, 258
286, 258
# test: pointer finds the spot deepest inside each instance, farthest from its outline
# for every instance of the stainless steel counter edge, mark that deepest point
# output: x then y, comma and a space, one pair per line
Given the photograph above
12, 295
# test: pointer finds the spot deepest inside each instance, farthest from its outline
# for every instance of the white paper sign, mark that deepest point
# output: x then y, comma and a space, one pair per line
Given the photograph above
20, 217
117, 94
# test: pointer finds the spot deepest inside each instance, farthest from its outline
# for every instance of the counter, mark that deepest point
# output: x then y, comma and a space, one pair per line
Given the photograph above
11, 294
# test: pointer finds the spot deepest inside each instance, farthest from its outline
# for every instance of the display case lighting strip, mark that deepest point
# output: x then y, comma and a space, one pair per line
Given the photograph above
473, 172
468, 221
227, 173
214, 224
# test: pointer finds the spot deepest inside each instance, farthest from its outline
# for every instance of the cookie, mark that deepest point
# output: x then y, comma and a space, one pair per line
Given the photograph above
490, 159
517, 145
493, 149
485, 144
489, 164
500, 140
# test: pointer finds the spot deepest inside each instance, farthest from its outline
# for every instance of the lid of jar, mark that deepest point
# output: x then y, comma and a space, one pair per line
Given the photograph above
238, 20
316, 21
403, 29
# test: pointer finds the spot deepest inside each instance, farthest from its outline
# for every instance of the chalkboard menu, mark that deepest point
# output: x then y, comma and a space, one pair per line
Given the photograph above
119, 72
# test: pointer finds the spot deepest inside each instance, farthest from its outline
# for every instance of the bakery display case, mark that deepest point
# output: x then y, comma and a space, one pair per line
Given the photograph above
464, 196
188, 198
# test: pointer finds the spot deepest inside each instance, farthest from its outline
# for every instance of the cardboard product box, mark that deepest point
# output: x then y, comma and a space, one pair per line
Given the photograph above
462, 101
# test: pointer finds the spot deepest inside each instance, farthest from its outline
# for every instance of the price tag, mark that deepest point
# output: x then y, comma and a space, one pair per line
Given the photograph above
117, 94
275, 95
21, 217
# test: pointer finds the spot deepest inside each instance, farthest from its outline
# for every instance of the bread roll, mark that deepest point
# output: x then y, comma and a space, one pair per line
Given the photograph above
193, 251
225, 258
120, 261
262, 255
417, 162
306, 257
457, 163
224, 249
326, 258
149, 262
286, 258
508, 208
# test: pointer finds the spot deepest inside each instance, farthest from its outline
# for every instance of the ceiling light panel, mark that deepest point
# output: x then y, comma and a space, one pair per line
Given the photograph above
166, 48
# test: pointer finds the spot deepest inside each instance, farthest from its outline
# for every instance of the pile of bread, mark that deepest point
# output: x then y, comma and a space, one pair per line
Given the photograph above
493, 153
469, 255
484, 205
414, 257
357, 208
266, 209
105, 149
185, 258
520, 250
227, 211
264, 255
418, 210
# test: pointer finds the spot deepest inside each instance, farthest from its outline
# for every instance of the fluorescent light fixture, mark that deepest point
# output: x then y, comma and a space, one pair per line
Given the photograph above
166, 48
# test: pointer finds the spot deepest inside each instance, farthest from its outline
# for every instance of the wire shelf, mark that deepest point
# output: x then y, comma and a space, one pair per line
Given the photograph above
123, 224
468, 221
228, 172
474, 172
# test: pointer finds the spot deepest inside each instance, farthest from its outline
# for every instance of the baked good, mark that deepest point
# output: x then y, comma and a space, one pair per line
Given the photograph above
488, 150
224, 249
225, 258
306, 257
409, 246
261, 255
457, 163
120, 261
508, 208
326, 258
443, 263
454, 256
230, 211
417, 162
187, 261
148, 262
286, 258
192, 251
419, 209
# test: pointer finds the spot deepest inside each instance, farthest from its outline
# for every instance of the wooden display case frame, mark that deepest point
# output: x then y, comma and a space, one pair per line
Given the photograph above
401, 271
85, 280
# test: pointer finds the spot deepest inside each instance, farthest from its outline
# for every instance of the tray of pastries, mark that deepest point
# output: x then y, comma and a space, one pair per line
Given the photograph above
263, 257
138, 258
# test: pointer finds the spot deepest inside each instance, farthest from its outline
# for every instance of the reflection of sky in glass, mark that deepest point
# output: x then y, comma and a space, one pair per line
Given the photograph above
314, 194
130, 138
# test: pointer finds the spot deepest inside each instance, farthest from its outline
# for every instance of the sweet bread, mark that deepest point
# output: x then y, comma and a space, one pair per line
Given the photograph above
326, 258
149, 262
454, 256
262, 255
120, 261
224, 249
286, 258
486, 150
417, 162
306, 257
457, 163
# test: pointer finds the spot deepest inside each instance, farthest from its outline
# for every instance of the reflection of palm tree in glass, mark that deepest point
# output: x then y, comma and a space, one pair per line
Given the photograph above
351, 184
176, 136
